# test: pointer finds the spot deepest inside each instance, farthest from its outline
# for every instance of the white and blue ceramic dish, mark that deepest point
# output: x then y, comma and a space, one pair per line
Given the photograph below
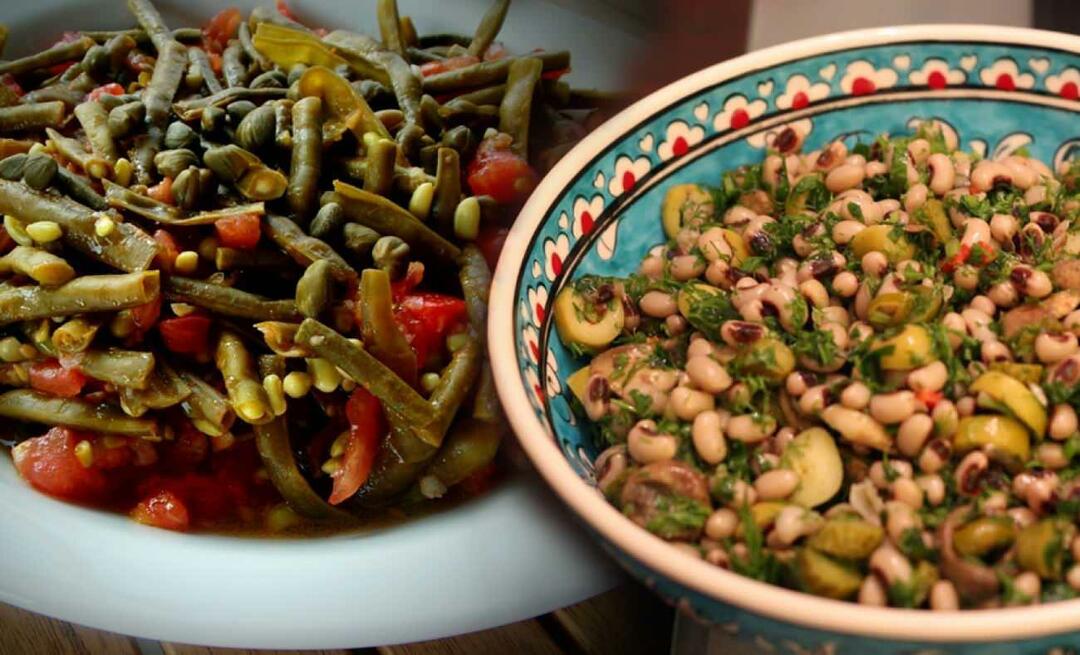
598, 212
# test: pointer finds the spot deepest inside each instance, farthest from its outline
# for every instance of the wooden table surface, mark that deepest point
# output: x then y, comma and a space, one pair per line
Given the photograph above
626, 621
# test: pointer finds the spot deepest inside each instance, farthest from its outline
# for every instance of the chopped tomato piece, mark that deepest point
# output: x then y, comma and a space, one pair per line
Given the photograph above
167, 248
146, 315
5, 240
554, 74
499, 173
66, 37
982, 254
284, 9
414, 275
929, 398
112, 89
221, 28
215, 61
427, 319
162, 191
190, 447
449, 64
49, 464
366, 426
163, 510
957, 260
50, 376
187, 335
495, 52
490, 242
8, 80
241, 231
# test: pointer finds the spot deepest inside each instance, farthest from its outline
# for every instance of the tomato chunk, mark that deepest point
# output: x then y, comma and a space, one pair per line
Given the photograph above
49, 464
241, 231
167, 250
186, 335
112, 89
497, 172
366, 426
162, 191
163, 510
146, 315
449, 64
426, 319
50, 376
221, 28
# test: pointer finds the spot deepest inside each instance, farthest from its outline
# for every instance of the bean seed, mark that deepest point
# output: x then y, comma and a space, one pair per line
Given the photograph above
1052, 348
931, 377
872, 592
913, 433
688, 403
942, 173
844, 177
1063, 422
750, 428
907, 491
708, 374
776, 484
721, 524
943, 596
646, 445
892, 407
658, 304
708, 437
933, 487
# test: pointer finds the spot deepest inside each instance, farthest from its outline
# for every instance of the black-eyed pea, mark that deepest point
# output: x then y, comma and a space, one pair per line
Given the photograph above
931, 377
1021, 516
1028, 584
956, 328
976, 230
942, 173
832, 314
1063, 422
875, 168
609, 467
965, 406
831, 156
844, 231
597, 395
860, 332
899, 518
1003, 294
776, 484
700, 347
714, 245
891, 408
874, 263
878, 475
1072, 320
987, 173
742, 493
1022, 174
946, 418
915, 198
868, 211
676, 325
708, 374
1031, 282
687, 267
1051, 455
1035, 195
815, 399
782, 438
1073, 576
983, 304
658, 304
796, 384
889, 563
646, 445
934, 456
1074, 548
872, 592
708, 437
687, 403
770, 170
845, 284
738, 216
969, 473
845, 177
966, 277
652, 266
863, 298
913, 433
815, 292
975, 320
918, 150
689, 549
944, 597
791, 523
750, 428
721, 524
1053, 348
855, 396
933, 488
994, 351
718, 274
908, 492
741, 333
1003, 227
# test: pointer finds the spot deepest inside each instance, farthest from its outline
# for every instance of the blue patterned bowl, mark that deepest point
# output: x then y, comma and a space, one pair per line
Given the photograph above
598, 212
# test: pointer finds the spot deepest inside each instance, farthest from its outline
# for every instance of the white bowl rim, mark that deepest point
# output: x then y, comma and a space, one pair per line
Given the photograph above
768, 600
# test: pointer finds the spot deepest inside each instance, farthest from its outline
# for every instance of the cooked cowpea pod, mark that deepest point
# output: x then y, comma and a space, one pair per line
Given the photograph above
169, 163
230, 259
305, 249
57, 54
404, 82
141, 154
469, 447
197, 57
487, 73
360, 239
390, 26
209, 411
164, 388
233, 164
243, 34
75, 335
168, 71
123, 368
516, 104
406, 178
379, 173
303, 192
71, 149
228, 301
488, 28
313, 289
32, 116
192, 109
447, 189
37, 407
95, 123
385, 217
328, 222
124, 119
381, 334
232, 65
79, 189
280, 337
246, 394
39, 171
257, 129
152, 25
89, 293
40, 265
275, 449
52, 93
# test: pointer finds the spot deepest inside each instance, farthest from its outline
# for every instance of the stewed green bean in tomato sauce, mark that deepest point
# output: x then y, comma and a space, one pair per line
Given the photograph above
852, 371
244, 268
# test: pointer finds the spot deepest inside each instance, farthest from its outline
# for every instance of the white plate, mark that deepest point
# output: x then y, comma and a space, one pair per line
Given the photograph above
511, 555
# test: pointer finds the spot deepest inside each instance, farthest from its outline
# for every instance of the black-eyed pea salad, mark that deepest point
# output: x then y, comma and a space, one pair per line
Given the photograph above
853, 371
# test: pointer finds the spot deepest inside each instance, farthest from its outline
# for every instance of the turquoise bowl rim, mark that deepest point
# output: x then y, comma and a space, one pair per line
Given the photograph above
650, 551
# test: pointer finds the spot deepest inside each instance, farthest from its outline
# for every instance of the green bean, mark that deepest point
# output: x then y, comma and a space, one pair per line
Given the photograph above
245, 391
303, 191
232, 65
165, 388
469, 447
78, 189
40, 336
40, 265
143, 149
123, 120
72, 150
328, 221
123, 368
272, 441
57, 54
197, 57
404, 82
447, 189
168, 71
209, 411
396, 395
488, 28
52, 93
283, 123
379, 329
305, 249
379, 173
486, 405
136, 203
244, 35
192, 109
32, 116
117, 50
95, 122
357, 49
231, 259
397, 465
150, 20
75, 335
456, 381
406, 178
487, 73
280, 337
87, 293
360, 239
228, 301
517, 103
14, 375
37, 407
416, 55
390, 26
385, 217
314, 288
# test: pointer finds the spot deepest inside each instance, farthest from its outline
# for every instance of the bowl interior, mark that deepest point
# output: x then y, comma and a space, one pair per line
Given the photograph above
599, 211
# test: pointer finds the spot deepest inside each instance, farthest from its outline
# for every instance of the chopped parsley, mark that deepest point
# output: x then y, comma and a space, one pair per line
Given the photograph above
678, 515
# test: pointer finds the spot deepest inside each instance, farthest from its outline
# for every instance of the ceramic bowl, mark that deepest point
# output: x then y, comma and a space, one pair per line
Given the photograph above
999, 90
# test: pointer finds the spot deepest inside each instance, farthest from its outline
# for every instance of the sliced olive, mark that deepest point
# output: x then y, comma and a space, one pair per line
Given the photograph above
764, 515
932, 215
1005, 439
578, 383
686, 205
1015, 396
911, 348
823, 576
587, 321
884, 239
693, 301
1026, 373
847, 538
770, 357
889, 309
814, 456
984, 535
1040, 547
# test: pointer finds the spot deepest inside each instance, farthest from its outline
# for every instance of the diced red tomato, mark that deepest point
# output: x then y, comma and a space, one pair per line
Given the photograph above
51, 377
366, 426
8, 80
221, 28
499, 173
427, 319
241, 231
186, 335
112, 89
982, 254
146, 315
49, 464
215, 61
162, 191
495, 52
284, 9
449, 64
66, 37
414, 275
490, 242
929, 398
5, 241
957, 260
167, 250
163, 510
554, 74
190, 447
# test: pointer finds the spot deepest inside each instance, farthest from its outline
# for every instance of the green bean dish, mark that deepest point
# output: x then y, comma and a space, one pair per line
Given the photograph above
853, 372
244, 268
